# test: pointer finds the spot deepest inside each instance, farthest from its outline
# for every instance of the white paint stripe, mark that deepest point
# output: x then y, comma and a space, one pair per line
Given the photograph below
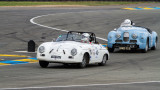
88, 85
32, 21
25, 52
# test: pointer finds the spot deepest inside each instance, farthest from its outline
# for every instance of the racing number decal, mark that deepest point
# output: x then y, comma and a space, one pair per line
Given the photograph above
96, 52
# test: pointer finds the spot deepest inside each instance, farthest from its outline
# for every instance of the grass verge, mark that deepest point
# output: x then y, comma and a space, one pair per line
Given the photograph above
87, 3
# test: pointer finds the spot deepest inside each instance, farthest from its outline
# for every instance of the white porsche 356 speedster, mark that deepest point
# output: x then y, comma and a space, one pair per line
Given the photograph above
74, 47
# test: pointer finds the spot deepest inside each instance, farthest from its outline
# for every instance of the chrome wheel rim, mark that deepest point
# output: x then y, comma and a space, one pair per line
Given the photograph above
155, 44
83, 62
147, 47
104, 59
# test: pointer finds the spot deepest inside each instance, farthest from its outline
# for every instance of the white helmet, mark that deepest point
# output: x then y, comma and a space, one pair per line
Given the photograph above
85, 38
86, 35
127, 22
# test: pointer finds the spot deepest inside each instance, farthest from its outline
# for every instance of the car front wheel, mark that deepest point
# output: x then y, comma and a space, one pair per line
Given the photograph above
84, 62
43, 64
155, 46
146, 48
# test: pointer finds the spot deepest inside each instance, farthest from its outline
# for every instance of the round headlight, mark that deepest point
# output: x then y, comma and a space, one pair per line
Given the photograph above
73, 52
118, 35
41, 49
134, 36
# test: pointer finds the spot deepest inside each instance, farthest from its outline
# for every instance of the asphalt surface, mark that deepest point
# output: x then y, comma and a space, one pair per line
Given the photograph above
123, 66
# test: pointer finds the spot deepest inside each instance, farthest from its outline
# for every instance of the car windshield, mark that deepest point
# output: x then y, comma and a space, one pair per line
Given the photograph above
70, 37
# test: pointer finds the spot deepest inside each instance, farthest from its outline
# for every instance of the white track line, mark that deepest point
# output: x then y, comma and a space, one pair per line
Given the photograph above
32, 21
88, 85
25, 52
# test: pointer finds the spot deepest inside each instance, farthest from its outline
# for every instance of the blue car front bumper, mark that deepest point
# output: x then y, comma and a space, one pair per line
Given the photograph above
131, 44
126, 45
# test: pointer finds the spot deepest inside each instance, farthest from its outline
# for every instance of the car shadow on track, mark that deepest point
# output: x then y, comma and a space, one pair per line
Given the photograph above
71, 66
131, 51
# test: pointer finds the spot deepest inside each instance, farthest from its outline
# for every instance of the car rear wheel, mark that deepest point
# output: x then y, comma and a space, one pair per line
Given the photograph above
104, 61
84, 61
146, 48
43, 64
111, 49
155, 46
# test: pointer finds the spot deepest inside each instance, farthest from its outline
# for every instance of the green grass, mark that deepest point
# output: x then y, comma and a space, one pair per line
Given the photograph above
88, 3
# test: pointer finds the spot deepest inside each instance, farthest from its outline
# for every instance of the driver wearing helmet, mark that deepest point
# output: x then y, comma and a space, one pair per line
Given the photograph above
127, 22
85, 38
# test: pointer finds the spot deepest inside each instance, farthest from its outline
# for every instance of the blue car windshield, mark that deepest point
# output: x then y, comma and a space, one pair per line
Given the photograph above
70, 37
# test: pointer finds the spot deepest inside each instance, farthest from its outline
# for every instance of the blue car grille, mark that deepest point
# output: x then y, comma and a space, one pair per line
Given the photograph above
125, 36
133, 41
118, 40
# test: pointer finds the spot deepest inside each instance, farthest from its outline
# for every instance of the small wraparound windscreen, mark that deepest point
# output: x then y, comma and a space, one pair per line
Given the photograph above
70, 37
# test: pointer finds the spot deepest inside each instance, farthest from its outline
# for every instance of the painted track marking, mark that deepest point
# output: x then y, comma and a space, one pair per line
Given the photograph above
4, 64
18, 61
7, 55
88, 85
142, 8
32, 21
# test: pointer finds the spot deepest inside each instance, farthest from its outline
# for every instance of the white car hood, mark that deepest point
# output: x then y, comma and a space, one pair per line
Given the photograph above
65, 44
62, 45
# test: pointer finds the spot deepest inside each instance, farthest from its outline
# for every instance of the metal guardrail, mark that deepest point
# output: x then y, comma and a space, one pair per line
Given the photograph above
84, 0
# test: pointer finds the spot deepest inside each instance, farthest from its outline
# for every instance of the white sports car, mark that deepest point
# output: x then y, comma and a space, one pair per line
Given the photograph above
79, 48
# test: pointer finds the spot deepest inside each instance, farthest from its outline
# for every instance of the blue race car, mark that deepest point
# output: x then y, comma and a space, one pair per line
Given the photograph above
130, 37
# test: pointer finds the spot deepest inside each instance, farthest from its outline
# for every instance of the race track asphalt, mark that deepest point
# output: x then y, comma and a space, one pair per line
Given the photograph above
123, 67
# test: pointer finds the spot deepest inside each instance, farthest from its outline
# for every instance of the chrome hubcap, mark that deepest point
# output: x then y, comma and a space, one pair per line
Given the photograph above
146, 47
155, 44
84, 62
104, 59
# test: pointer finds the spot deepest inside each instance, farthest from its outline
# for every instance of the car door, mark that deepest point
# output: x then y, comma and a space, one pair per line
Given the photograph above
95, 49
97, 53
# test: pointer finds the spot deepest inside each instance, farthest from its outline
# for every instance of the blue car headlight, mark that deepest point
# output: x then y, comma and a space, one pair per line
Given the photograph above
134, 36
118, 35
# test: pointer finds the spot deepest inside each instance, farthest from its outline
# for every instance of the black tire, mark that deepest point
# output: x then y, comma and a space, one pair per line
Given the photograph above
65, 64
104, 61
155, 46
83, 64
43, 64
146, 49
111, 49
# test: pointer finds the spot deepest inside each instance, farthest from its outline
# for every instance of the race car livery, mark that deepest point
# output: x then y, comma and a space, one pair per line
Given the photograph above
130, 37
79, 48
